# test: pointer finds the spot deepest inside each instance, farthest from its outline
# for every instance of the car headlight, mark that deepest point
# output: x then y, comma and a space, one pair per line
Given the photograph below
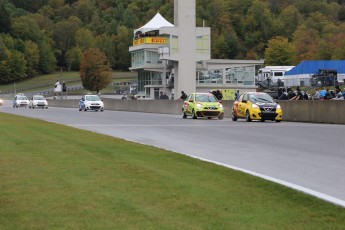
199, 105
255, 106
278, 106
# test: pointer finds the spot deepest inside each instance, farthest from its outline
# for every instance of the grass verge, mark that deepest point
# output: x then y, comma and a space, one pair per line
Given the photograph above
57, 177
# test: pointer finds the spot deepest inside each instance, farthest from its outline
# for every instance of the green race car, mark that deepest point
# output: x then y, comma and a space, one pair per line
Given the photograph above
202, 105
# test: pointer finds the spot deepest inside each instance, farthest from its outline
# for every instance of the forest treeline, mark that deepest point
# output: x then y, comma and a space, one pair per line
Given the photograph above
38, 36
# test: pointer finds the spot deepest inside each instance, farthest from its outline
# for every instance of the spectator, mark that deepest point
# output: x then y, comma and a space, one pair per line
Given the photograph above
328, 95
237, 94
183, 96
57, 88
284, 95
64, 89
164, 96
317, 95
291, 94
305, 96
160, 95
298, 96
219, 95
338, 95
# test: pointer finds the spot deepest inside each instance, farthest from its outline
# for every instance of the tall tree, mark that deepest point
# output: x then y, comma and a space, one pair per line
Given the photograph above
32, 56
73, 57
95, 72
279, 52
47, 58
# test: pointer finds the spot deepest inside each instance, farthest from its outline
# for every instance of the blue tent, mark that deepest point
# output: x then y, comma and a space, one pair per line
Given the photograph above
312, 67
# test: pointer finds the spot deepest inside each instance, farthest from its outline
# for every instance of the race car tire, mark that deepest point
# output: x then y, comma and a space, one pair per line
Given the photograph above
278, 121
248, 119
194, 116
233, 116
184, 115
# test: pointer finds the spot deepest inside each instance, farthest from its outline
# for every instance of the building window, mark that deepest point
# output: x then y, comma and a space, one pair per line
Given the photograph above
203, 44
174, 44
209, 77
137, 58
240, 75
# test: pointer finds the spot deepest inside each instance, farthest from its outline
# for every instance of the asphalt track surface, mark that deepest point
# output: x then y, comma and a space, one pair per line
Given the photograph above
307, 157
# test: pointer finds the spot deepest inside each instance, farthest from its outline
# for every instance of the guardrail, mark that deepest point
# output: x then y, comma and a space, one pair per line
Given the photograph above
331, 112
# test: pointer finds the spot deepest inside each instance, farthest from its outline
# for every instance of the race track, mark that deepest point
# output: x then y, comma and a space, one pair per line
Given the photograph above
307, 157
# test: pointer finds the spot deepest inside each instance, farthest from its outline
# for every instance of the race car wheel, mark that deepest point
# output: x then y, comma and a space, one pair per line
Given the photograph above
248, 116
194, 116
262, 120
233, 116
278, 121
85, 109
184, 115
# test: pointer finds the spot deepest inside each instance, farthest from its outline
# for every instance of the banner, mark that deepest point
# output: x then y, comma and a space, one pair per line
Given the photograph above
150, 40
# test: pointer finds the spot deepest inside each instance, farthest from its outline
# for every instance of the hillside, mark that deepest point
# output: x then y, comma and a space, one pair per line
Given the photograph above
36, 36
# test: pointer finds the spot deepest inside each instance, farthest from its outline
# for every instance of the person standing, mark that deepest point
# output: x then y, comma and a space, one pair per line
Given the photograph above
57, 88
237, 94
183, 96
64, 89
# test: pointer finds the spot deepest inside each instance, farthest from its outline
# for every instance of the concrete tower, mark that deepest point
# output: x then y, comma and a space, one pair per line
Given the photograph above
185, 68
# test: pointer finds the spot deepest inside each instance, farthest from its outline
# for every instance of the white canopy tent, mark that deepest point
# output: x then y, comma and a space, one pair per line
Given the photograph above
154, 24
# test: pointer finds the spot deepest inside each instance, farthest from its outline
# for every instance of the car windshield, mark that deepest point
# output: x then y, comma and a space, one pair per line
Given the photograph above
39, 98
205, 98
22, 98
92, 98
261, 97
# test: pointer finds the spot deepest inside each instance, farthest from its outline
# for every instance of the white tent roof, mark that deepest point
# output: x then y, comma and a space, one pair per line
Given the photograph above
154, 24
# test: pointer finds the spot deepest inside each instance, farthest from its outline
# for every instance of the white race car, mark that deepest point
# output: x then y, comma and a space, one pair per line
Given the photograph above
38, 101
91, 102
20, 100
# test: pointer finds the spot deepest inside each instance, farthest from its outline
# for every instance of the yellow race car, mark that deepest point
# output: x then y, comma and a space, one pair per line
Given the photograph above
202, 105
256, 106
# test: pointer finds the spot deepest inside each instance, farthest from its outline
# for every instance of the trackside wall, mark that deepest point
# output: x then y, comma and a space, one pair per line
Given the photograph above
332, 112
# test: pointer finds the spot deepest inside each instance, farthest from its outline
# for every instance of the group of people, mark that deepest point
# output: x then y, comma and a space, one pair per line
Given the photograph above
163, 96
289, 94
325, 94
329, 94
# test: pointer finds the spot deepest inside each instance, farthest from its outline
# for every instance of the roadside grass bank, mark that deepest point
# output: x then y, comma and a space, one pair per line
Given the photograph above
47, 81
58, 177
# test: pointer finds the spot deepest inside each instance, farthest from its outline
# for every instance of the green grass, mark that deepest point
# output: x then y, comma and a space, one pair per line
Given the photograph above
47, 81
57, 177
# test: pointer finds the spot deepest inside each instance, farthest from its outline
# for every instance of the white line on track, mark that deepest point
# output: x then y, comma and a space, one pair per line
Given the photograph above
282, 182
78, 125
